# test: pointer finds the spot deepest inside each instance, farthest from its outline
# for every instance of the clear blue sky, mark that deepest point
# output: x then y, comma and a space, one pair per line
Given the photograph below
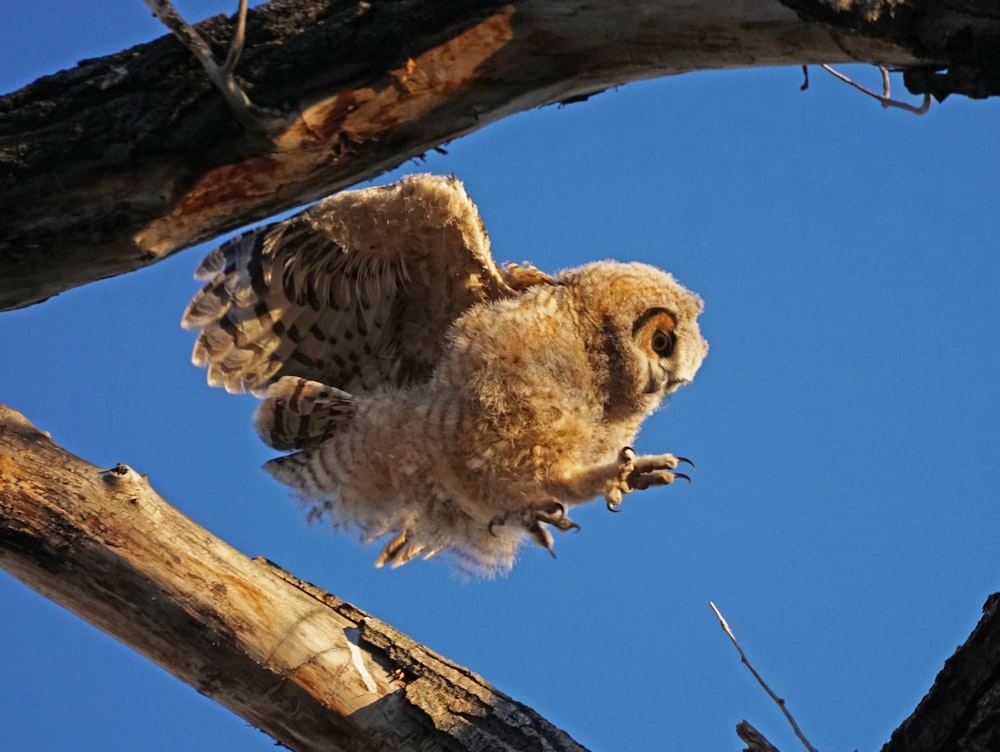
844, 510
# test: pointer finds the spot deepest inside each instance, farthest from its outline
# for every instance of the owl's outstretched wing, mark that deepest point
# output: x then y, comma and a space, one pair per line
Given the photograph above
355, 292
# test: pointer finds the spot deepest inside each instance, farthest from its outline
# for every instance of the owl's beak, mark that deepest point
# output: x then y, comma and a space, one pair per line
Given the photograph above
658, 379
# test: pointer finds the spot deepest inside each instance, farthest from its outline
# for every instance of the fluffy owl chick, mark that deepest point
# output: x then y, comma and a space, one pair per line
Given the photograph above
522, 399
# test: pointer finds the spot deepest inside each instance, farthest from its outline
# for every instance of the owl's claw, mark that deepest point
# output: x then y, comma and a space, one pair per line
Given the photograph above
552, 513
639, 473
400, 550
535, 518
542, 537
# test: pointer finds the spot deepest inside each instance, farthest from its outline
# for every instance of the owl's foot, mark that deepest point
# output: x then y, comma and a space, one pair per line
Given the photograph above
638, 473
534, 517
400, 550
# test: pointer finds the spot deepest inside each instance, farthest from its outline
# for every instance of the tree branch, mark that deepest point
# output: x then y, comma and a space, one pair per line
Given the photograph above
309, 669
964, 36
126, 159
961, 711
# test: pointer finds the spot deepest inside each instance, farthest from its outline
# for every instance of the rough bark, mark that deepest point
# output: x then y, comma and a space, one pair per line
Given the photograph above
309, 669
961, 712
126, 159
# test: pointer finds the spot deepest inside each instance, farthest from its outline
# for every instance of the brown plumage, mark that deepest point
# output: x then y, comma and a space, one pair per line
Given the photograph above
429, 393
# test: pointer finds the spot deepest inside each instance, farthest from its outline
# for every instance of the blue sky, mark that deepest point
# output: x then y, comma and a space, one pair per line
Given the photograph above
844, 510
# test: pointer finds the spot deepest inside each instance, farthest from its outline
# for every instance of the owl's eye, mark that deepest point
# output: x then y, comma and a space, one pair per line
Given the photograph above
663, 343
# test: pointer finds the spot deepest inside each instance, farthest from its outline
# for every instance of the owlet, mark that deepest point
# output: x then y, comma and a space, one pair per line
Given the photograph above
428, 394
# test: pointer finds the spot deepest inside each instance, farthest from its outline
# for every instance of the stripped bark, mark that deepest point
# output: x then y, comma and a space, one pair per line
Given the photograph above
126, 159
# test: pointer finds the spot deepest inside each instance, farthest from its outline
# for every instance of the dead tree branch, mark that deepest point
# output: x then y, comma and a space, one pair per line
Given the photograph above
124, 160
779, 701
312, 671
962, 709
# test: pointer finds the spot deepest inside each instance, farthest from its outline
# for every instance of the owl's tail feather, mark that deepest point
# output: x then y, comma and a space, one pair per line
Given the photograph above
300, 414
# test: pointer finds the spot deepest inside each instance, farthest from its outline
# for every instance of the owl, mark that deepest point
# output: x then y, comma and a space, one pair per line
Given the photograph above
425, 393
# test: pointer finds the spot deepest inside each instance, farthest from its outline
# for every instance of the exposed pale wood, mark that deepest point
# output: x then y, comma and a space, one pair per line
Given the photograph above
314, 672
126, 159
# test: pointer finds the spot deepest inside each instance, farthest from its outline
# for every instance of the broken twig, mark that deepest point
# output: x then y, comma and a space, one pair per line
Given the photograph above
778, 700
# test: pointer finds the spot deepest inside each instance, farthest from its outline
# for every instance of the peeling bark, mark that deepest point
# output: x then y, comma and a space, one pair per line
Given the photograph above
126, 159
312, 671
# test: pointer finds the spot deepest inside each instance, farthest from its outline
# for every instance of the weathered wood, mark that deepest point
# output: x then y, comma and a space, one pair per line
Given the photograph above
126, 159
309, 669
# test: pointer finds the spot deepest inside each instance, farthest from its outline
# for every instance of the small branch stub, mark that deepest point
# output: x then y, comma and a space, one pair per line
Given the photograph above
755, 741
257, 119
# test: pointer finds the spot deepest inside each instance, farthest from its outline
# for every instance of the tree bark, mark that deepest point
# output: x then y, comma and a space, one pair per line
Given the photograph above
312, 671
961, 712
124, 160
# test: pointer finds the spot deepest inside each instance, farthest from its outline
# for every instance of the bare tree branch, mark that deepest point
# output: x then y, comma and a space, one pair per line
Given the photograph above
312, 671
779, 701
124, 160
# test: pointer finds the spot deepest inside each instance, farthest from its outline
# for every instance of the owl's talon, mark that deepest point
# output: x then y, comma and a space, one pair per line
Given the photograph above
639, 473
500, 519
542, 537
391, 550
535, 519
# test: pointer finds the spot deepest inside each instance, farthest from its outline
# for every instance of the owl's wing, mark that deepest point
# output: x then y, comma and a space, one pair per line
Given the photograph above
355, 292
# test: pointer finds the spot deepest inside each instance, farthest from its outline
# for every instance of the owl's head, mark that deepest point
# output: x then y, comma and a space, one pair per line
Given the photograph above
646, 329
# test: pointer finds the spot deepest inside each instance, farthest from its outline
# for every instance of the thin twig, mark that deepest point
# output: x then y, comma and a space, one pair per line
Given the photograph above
779, 701
886, 100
